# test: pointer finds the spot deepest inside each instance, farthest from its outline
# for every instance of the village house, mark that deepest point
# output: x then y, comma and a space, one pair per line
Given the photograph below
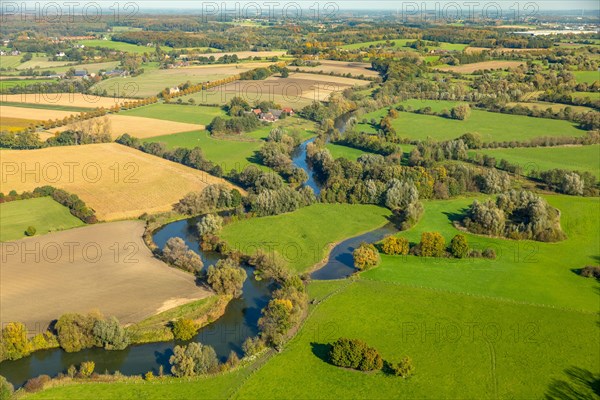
174, 90
60, 54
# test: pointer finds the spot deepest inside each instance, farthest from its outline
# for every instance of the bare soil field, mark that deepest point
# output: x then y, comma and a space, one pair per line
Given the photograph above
153, 81
470, 68
341, 67
118, 182
139, 127
296, 91
38, 114
64, 99
105, 267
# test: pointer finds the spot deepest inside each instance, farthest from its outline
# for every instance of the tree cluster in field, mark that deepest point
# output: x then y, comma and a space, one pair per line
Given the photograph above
76, 206
212, 197
516, 215
179, 255
72, 332
234, 125
357, 354
276, 153
570, 182
196, 359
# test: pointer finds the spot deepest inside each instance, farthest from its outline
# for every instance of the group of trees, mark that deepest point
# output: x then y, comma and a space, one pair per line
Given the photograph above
357, 354
211, 198
179, 255
226, 277
433, 244
76, 332
517, 215
575, 183
193, 359
276, 153
235, 125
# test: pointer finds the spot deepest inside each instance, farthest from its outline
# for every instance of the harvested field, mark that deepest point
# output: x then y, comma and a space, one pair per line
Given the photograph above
154, 80
105, 267
15, 124
118, 182
341, 67
296, 91
27, 113
64, 99
470, 68
139, 127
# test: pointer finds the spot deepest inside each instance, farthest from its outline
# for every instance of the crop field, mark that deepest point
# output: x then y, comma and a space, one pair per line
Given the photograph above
179, 113
127, 280
40, 114
44, 214
296, 91
154, 80
303, 236
579, 158
491, 126
116, 181
79, 100
491, 65
15, 124
341, 67
586, 76
137, 126
234, 152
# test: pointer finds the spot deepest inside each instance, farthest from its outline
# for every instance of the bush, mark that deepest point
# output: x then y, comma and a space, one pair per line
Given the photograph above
75, 331
30, 231
193, 359
355, 354
226, 277
184, 329
591, 271
14, 341
459, 247
210, 224
110, 334
36, 384
404, 368
489, 253
253, 346
6, 388
394, 245
86, 369
432, 244
365, 256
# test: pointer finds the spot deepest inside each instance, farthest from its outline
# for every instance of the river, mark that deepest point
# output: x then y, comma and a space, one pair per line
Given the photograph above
227, 334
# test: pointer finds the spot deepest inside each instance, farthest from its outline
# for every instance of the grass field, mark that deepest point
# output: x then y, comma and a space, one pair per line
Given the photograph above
340, 151
400, 44
10, 61
580, 158
119, 46
180, 113
43, 62
127, 280
116, 181
479, 329
586, 76
555, 107
236, 152
154, 80
303, 236
43, 213
7, 84
491, 126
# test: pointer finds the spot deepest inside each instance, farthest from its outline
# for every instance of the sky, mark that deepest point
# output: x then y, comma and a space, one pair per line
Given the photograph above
375, 4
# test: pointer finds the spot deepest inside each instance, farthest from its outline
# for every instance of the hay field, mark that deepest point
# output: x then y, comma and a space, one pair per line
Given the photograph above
154, 80
139, 127
116, 181
341, 67
29, 113
470, 68
109, 269
296, 91
64, 99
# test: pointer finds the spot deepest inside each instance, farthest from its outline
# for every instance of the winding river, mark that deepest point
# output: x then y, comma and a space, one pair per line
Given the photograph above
225, 335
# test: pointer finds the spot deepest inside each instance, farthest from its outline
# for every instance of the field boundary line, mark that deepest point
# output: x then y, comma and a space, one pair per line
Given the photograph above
499, 299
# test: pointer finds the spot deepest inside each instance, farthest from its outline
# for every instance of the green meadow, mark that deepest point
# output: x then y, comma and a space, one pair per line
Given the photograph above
586, 76
202, 115
303, 236
491, 126
43, 213
119, 46
9, 84
576, 158
340, 151
235, 152
401, 44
